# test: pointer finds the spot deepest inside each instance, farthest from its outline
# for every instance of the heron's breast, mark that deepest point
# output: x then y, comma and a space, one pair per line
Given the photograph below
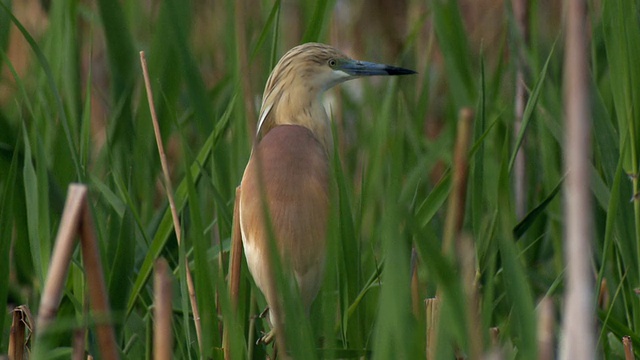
290, 168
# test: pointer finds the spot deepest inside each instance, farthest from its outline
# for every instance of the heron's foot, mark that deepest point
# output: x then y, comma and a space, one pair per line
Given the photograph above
267, 338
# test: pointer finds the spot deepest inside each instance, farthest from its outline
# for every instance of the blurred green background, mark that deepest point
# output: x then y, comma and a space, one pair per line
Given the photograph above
73, 109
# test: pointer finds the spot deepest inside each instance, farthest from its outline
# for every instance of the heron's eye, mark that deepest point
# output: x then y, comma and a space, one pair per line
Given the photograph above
332, 62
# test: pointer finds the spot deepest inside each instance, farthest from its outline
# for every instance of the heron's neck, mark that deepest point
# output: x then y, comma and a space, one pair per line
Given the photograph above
303, 109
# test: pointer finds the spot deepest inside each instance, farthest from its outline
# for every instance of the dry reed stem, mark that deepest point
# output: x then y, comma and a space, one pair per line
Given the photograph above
78, 344
467, 256
252, 325
95, 279
61, 257
18, 339
236, 252
603, 297
172, 204
455, 208
457, 198
520, 13
628, 348
432, 310
77, 220
546, 325
162, 333
235, 266
578, 323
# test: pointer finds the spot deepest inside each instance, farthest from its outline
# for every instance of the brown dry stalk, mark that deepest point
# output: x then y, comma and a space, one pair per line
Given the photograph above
77, 220
95, 280
628, 348
546, 325
236, 252
78, 344
18, 338
235, 268
578, 323
457, 198
61, 256
432, 311
455, 211
520, 13
603, 297
467, 256
169, 188
162, 334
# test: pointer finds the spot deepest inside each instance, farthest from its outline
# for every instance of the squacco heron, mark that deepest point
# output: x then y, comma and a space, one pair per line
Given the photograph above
288, 171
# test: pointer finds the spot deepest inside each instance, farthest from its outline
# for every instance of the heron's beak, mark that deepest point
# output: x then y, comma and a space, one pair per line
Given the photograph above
364, 68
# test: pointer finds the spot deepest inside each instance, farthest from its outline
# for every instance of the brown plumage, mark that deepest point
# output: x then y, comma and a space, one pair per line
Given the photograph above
297, 196
289, 169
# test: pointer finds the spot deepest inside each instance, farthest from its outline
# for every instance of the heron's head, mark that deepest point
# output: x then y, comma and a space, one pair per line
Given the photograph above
305, 72
323, 66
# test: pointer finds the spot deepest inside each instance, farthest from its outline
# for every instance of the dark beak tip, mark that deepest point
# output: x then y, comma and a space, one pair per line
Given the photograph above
400, 71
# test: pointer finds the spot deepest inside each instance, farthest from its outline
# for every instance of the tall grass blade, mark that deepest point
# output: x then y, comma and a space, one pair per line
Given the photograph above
165, 227
348, 271
622, 44
44, 63
528, 220
8, 183
317, 21
202, 271
5, 25
122, 63
453, 43
528, 110
40, 248
195, 86
516, 285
